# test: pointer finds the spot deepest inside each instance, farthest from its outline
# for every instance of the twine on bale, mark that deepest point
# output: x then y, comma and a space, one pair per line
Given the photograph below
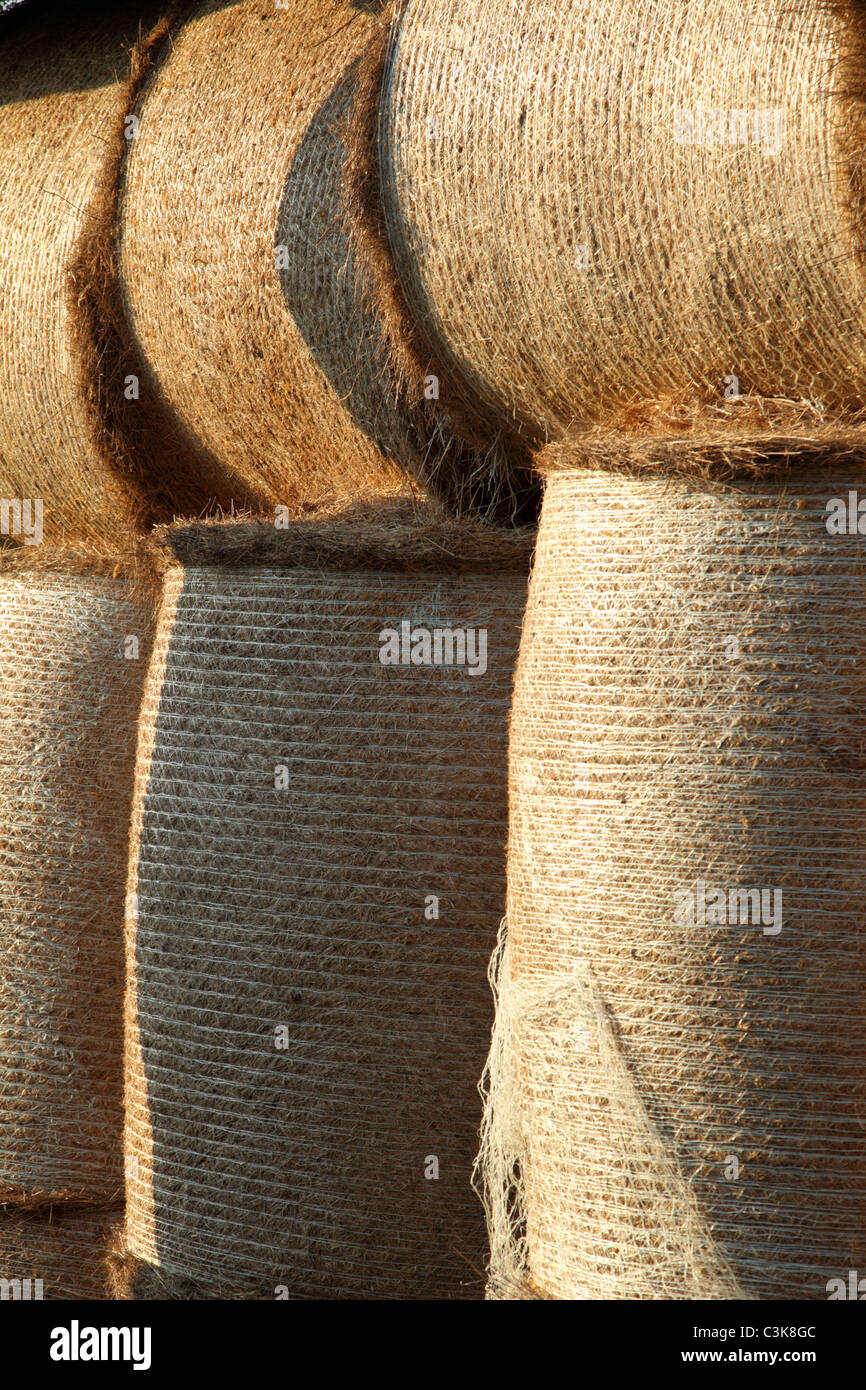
238, 265
675, 1092
303, 1041
599, 209
70, 683
67, 84
65, 1250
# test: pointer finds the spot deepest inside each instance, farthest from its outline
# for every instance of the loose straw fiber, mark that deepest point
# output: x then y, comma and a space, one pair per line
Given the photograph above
68, 706
64, 91
239, 277
66, 1250
597, 206
303, 1043
676, 1110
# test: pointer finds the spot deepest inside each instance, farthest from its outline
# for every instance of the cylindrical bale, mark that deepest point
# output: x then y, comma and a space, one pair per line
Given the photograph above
676, 1083
57, 1253
239, 270
73, 653
598, 207
318, 867
76, 437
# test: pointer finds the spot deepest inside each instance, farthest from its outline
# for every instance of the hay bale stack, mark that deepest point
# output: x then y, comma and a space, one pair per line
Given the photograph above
100, 464
318, 869
608, 212
676, 1082
70, 683
239, 268
62, 1253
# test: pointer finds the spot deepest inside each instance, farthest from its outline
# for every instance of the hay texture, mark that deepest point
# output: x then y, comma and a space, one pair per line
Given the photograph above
238, 267
138, 1281
472, 458
67, 1250
68, 707
676, 1091
600, 207
66, 84
391, 535
303, 1042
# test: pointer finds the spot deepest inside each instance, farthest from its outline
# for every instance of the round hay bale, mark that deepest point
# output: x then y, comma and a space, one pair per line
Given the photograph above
676, 1088
632, 211
73, 651
318, 874
472, 458
99, 463
56, 1254
239, 266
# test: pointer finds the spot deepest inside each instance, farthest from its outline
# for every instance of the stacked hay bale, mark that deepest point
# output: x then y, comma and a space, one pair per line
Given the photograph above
659, 269
676, 1087
257, 302
76, 431
670, 244
318, 877
78, 482
73, 647
136, 385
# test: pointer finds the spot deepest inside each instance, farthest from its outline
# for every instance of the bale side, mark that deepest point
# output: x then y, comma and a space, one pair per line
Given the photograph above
66, 83
303, 1043
139, 434
470, 457
68, 708
597, 207
238, 273
679, 1096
